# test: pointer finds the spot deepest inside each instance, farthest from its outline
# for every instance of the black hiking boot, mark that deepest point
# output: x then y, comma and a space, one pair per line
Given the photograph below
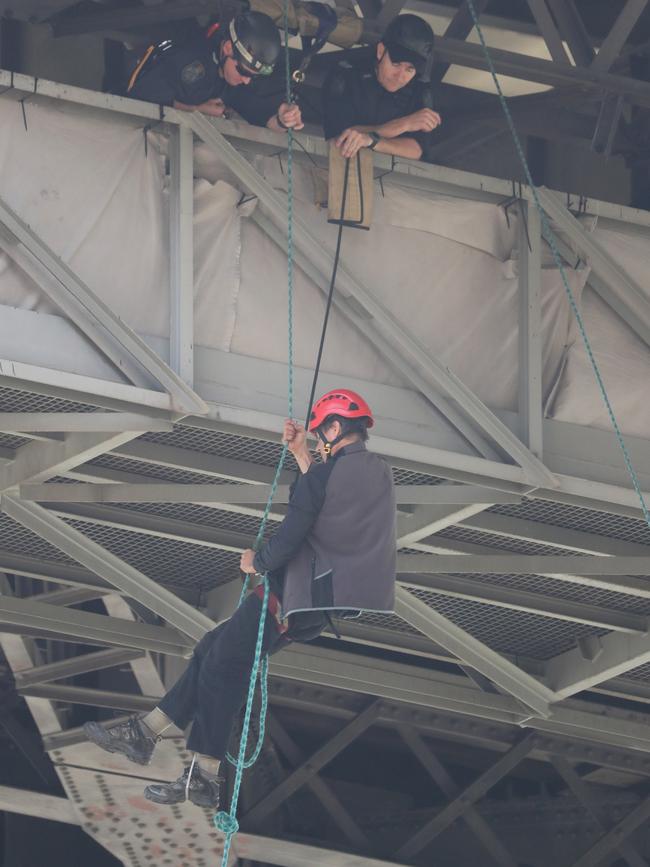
131, 738
200, 790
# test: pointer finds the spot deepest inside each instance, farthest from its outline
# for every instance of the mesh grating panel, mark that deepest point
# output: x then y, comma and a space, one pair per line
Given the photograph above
14, 400
640, 673
154, 471
512, 632
387, 621
16, 539
10, 441
201, 515
577, 518
491, 540
178, 564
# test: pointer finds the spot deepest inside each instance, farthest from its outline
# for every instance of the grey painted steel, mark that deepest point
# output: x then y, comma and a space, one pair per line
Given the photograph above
118, 573
75, 422
245, 494
375, 316
425, 521
530, 328
318, 760
572, 28
466, 798
610, 841
534, 603
501, 671
615, 40
615, 286
37, 461
318, 786
75, 665
549, 31
90, 697
28, 803
57, 573
571, 673
472, 818
582, 792
91, 315
522, 564
607, 124
181, 252
70, 595
68, 624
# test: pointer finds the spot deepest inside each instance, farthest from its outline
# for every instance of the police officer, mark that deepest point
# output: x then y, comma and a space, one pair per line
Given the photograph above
379, 103
334, 551
222, 68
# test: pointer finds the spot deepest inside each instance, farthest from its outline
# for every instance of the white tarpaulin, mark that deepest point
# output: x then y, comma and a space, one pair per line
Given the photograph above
444, 268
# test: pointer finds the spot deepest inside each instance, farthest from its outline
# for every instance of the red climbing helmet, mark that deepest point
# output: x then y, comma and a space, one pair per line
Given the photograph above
340, 401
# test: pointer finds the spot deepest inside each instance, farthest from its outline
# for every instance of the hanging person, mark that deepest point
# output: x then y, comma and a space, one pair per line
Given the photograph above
225, 67
335, 551
379, 102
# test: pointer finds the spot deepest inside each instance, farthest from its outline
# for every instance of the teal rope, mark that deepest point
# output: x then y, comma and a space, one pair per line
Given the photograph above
223, 821
552, 242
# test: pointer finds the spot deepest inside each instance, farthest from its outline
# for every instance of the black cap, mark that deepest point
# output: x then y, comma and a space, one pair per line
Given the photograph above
256, 41
409, 39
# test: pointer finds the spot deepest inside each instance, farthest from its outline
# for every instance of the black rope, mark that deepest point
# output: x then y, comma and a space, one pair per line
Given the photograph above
330, 294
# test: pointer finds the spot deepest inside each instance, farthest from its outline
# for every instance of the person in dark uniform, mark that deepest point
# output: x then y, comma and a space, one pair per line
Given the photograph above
224, 68
379, 103
334, 551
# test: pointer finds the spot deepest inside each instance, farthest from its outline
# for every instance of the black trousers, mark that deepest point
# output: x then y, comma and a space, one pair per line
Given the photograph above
213, 688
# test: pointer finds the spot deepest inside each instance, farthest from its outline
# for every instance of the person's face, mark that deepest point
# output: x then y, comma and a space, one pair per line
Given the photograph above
330, 432
392, 76
235, 72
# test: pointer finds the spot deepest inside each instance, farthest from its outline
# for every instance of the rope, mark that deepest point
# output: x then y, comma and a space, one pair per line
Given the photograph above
552, 242
223, 821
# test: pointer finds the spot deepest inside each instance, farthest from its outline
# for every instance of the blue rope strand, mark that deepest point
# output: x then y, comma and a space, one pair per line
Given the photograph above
223, 821
552, 242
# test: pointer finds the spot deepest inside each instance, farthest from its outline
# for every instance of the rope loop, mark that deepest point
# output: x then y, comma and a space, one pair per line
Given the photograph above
226, 823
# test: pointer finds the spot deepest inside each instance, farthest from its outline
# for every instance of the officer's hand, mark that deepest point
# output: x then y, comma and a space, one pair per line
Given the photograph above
295, 436
246, 562
351, 141
213, 107
289, 114
423, 120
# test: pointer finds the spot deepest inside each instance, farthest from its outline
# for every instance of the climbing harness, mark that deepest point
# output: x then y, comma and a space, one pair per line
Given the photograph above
552, 242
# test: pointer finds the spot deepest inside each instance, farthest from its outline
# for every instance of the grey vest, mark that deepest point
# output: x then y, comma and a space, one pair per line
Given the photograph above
348, 560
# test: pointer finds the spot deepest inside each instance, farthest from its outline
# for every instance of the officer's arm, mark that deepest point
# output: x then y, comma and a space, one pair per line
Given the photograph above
306, 503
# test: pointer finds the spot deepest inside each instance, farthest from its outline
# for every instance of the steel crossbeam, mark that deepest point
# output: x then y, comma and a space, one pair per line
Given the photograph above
318, 760
523, 564
582, 792
128, 352
114, 570
435, 826
75, 422
530, 328
75, 666
615, 40
600, 850
377, 321
475, 653
445, 783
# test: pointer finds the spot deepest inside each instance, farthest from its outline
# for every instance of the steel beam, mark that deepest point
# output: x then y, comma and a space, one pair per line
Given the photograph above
376, 319
615, 40
68, 624
541, 604
104, 20
475, 653
472, 818
425, 521
181, 252
57, 573
38, 461
70, 596
75, 665
615, 286
549, 31
128, 352
246, 494
318, 760
619, 832
114, 570
38, 805
318, 786
522, 564
582, 793
84, 422
607, 124
90, 697
460, 26
435, 826
530, 328
572, 28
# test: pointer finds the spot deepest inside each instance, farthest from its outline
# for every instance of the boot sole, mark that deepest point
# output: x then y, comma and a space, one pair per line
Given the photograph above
161, 799
97, 735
